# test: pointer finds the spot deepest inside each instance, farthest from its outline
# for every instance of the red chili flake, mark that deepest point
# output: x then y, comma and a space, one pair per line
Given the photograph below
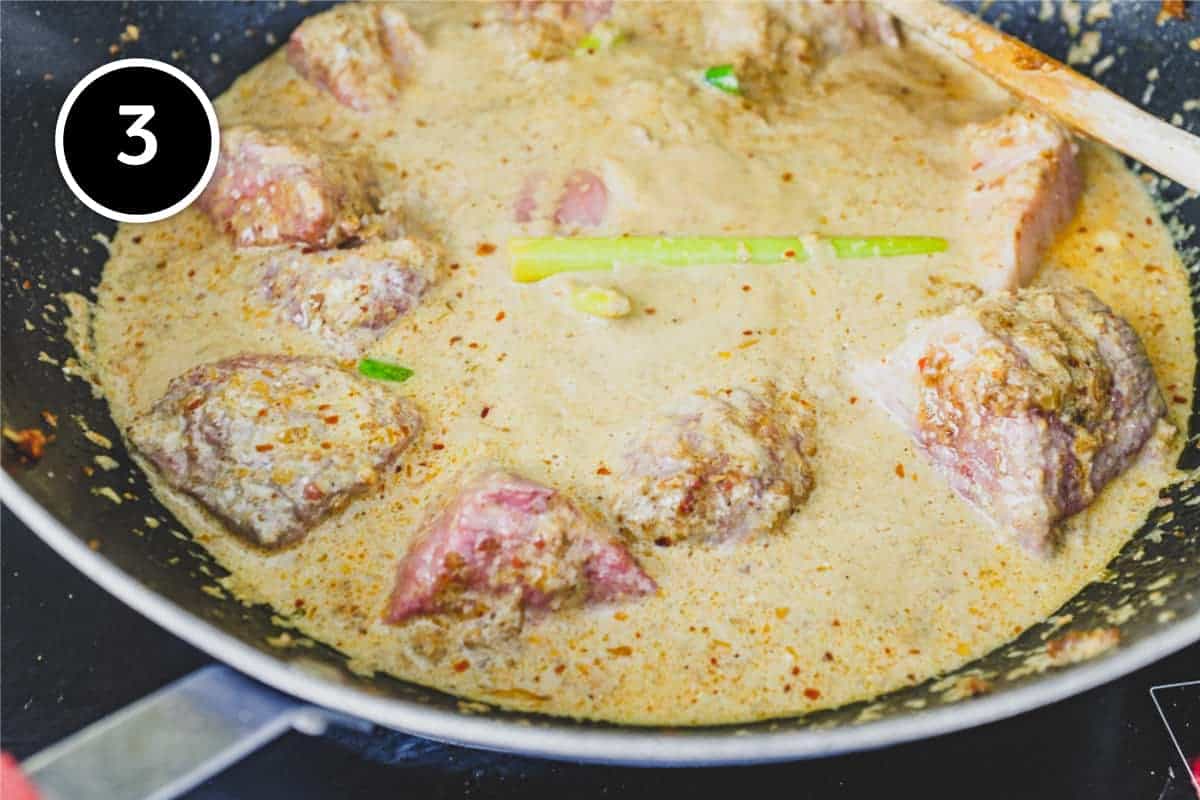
812, 694
558, 670
650, 310
454, 267
663, 541
746, 287
795, 671
828, 656
500, 317
263, 448
462, 665
853, 399
485, 249
439, 446
455, 339
299, 602
899, 470
837, 623
1179, 399
787, 177
486, 410
789, 253
603, 470
332, 419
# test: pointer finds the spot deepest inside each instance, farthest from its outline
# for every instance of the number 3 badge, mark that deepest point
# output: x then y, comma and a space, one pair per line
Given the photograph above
137, 140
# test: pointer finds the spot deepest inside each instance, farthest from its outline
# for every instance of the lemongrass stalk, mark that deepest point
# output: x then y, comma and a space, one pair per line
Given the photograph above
535, 259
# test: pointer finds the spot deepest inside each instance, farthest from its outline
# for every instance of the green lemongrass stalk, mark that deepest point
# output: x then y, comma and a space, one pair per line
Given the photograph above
535, 259
885, 246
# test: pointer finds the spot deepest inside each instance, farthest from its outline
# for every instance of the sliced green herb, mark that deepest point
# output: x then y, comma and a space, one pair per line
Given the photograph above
383, 371
724, 78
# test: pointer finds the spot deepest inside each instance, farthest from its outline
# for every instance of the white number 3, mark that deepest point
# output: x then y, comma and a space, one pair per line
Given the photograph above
144, 114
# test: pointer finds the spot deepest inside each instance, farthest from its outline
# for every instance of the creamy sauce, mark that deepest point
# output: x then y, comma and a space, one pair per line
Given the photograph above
881, 580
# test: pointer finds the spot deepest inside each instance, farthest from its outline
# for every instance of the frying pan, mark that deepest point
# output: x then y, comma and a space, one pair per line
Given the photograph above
1151, 590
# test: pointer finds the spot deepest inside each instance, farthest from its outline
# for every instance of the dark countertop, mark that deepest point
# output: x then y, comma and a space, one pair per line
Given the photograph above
72, 654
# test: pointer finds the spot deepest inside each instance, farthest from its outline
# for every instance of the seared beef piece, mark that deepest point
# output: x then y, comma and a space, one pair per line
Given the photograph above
722, 467
582, 202
586, 13
359, 53
843, 26
349, 298
270, 189
504, 539
1026, 186
273, 444
1028, 403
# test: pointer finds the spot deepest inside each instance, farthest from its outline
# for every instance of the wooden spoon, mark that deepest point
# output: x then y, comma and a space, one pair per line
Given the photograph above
1059, 90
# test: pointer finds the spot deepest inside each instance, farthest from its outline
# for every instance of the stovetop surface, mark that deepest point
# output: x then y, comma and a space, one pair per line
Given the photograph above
72, 654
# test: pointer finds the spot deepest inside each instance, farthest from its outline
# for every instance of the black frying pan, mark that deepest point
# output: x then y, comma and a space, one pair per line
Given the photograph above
48, 248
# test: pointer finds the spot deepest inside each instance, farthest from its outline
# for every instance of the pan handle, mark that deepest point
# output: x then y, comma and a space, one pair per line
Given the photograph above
167, 743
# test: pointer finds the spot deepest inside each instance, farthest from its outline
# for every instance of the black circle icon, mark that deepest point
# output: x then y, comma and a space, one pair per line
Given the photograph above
137, 140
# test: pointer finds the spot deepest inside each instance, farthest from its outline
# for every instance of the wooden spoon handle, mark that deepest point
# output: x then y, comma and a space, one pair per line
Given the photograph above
1059, 90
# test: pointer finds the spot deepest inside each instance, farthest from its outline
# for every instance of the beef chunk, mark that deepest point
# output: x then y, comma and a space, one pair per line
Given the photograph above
722, 467
843, 26
273, 444
269, 189
359, 53
349, 298
1026, 186
584, 202
586, 13
504, 538
1028, 403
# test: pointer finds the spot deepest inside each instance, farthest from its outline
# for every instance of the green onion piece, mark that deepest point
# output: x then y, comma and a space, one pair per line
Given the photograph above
724, 78
600, 302
883, 246
602, 37
383, 371
534, 259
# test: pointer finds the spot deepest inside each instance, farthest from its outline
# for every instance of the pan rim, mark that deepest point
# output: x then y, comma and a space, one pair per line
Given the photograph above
628, 746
